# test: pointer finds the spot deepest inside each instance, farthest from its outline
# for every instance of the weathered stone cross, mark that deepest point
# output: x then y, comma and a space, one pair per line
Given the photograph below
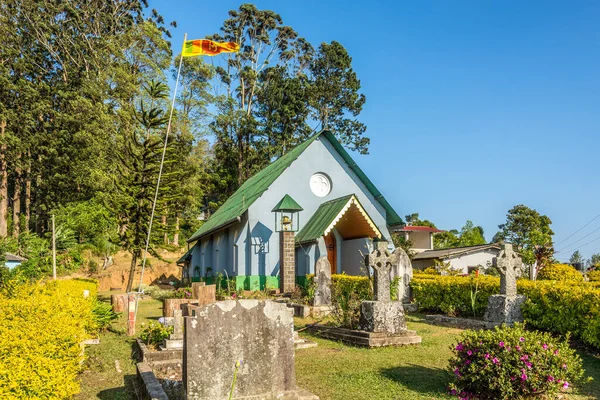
507, 264
381, 260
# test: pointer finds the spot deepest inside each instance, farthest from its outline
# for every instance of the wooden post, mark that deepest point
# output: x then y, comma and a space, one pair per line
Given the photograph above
119, 302
131, 314
53, 249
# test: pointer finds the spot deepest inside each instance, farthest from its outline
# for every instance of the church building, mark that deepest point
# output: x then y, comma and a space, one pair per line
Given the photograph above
314, 201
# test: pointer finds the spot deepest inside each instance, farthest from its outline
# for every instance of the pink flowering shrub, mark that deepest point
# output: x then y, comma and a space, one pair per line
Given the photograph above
512, 363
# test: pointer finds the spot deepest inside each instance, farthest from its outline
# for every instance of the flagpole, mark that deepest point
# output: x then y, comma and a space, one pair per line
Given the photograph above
162, 161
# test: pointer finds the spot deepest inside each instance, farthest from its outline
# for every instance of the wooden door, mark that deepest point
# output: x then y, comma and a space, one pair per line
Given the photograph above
330, 244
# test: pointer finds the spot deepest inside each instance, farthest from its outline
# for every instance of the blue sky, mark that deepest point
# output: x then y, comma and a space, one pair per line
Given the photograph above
472, 106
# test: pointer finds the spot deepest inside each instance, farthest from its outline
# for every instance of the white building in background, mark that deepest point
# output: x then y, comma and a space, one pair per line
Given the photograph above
465, 259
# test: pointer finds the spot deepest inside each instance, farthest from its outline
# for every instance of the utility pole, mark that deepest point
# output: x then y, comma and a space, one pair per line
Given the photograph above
53, 249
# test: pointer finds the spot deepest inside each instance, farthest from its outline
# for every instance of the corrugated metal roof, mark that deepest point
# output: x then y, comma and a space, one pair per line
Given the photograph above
453, 252
14, 257
321, 219
329, 214
256, 185
184, 257
287, 204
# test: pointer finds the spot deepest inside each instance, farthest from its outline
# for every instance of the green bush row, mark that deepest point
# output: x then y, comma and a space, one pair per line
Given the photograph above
553, 306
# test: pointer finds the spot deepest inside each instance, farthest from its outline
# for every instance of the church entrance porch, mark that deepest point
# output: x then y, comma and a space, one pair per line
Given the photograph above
342, 230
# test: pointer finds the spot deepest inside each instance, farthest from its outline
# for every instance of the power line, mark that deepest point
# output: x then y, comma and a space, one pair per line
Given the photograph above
585, 244
578, 240
579, 230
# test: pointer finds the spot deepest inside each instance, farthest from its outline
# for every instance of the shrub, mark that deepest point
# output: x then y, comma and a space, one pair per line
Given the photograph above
154, 334
360, 285
511, 363
560, 272
103, 314
459, 295
43, 326
594, 275
558, 307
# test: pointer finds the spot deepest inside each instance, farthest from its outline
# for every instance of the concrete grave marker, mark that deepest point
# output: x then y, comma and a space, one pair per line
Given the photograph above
207, 294
505, 308
382, 314
323, 281
402, 269
257, 334
175, 340
381, 260
195, 289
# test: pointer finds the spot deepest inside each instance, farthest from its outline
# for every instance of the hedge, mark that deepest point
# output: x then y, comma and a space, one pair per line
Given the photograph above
360, 285
41, 335
553, 306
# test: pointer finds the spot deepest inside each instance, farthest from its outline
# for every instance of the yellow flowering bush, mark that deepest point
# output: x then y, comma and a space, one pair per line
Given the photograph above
594, 275
41, 335
560, 272
554, 306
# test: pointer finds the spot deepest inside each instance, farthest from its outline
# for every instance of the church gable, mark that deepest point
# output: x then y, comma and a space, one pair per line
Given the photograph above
319, 175
321, 150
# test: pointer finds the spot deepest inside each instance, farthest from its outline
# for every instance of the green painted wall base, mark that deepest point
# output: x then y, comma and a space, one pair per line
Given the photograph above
251, 282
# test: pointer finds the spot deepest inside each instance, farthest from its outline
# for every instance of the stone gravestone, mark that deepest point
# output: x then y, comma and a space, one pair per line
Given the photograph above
196, 289
206, 294
382, 314
323, 281
505, 308
254, 334
175, 340
402, 269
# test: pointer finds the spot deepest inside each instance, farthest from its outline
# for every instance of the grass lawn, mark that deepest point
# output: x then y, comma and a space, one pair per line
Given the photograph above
100, 378
336, 371
332, 370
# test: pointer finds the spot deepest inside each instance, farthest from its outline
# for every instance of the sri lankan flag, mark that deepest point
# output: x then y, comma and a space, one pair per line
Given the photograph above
204, 47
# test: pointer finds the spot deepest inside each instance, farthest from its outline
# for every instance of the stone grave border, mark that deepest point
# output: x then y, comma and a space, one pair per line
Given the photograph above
361, 338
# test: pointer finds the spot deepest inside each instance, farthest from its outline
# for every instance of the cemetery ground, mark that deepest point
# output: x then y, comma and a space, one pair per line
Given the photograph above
331, 370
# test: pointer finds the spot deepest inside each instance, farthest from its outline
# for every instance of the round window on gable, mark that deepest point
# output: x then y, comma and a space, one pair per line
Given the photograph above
320, 184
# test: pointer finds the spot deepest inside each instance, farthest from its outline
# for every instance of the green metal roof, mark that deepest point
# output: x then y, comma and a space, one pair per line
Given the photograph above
184, 257
239, 202
321, 219
287, 204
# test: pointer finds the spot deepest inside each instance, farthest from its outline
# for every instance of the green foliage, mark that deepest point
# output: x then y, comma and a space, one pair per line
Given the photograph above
554, 306
443, 293
560, 272
103, 314
89, 221
509, 363
414, 220
347, 292
525, 228
274, 87
576, 258
469, 235
405, 244
154, 334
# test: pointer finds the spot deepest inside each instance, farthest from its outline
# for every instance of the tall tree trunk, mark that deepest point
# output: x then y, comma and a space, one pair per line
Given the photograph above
163, 221
176, 234
17, 199
38, 183
3, 183
28, 192
134, 257
240, 159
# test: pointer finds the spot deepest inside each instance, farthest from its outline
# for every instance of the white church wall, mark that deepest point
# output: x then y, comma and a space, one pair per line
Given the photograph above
353, 256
